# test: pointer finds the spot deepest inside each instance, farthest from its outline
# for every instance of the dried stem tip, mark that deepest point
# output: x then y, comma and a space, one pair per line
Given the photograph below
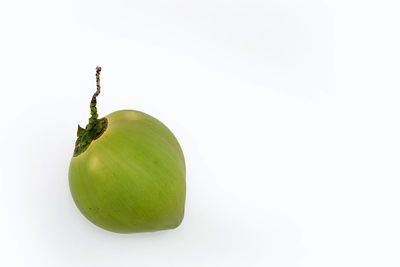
93, 102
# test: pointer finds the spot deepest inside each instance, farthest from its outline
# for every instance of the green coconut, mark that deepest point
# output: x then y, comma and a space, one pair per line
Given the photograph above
127, 174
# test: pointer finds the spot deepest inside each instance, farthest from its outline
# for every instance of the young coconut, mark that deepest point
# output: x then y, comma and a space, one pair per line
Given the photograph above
127, 173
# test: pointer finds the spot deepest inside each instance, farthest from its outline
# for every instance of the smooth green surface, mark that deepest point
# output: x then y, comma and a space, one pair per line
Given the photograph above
131, 179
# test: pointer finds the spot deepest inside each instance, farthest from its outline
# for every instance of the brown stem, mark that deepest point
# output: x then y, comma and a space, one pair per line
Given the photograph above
93, 102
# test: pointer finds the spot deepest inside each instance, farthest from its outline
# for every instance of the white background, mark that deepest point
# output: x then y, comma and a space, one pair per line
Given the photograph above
287, 112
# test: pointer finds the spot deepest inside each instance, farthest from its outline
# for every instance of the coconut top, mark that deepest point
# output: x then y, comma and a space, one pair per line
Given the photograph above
95, 128
85, 136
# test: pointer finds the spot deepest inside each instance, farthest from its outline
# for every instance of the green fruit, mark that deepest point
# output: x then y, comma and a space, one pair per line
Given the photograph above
128, 173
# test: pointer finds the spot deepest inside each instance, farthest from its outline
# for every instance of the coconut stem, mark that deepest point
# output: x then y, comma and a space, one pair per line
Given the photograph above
95, 127
93, 102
